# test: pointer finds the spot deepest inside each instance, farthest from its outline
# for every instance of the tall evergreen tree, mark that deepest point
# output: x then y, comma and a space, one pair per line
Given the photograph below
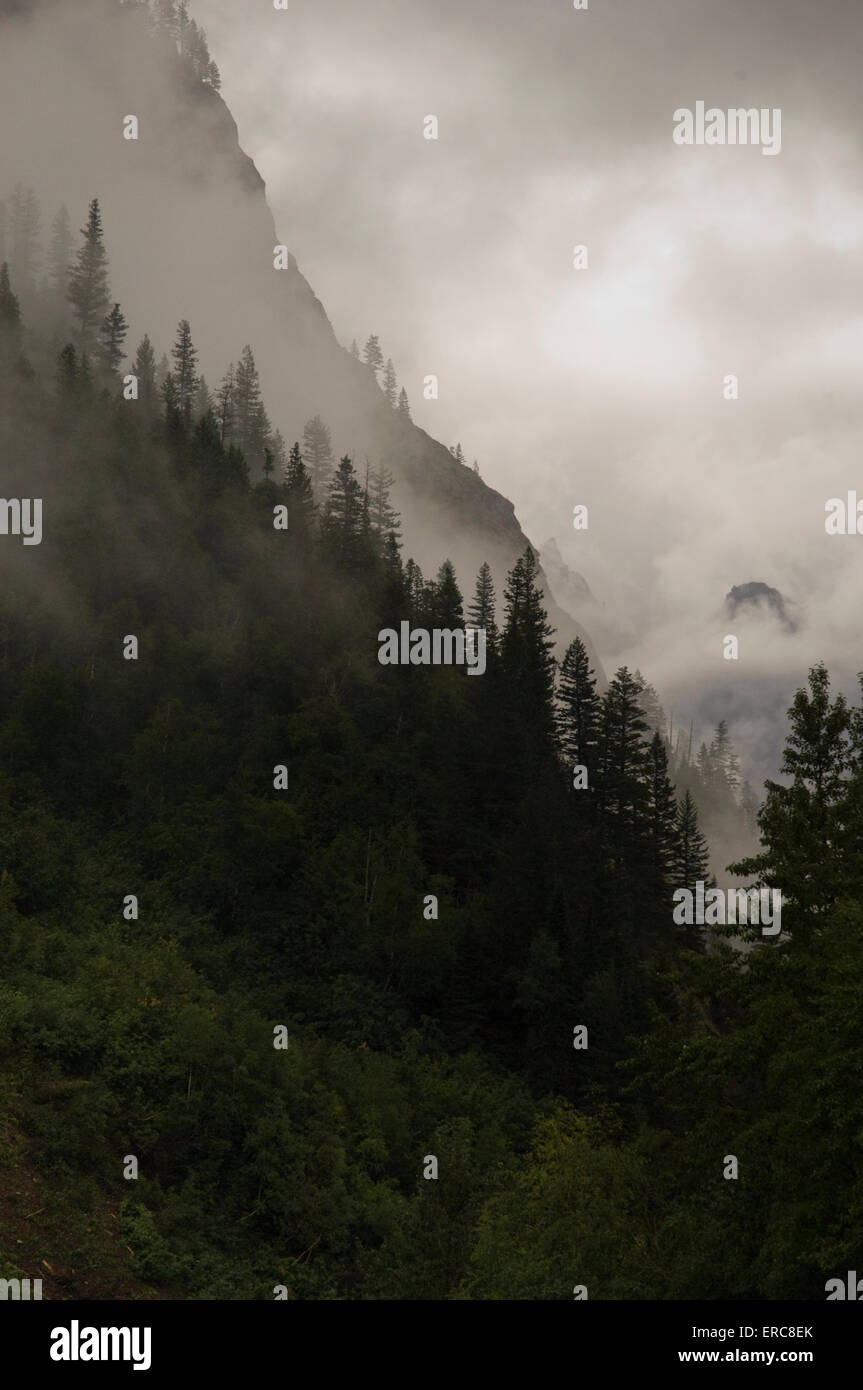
25, 256
342, 521
144, 368
404, 406
88, 281
185, 369
390, 384
251, 428
112, 336
224, 406
481, 612
385, 520
372, 355
318, 454
527, 647
448, 608
578, 710
301, 497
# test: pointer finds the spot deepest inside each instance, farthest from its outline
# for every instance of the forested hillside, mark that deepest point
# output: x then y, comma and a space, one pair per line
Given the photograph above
222, 818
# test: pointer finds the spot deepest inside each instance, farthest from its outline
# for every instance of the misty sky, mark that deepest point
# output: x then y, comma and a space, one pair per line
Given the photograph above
601, 386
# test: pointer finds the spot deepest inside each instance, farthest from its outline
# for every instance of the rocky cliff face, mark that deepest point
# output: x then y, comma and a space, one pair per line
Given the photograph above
190, 235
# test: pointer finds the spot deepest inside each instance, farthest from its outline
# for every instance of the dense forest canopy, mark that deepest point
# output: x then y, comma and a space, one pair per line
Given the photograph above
285, 924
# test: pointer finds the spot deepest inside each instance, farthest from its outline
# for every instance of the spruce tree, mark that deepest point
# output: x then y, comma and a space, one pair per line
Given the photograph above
251, 428
185, 369
448, 608
88, 281
690, 862
224, 407
622, 758
527, 647
301, 497
481, 613
578, 710
112, 336
342, 521
144, 368
318, 454
372, 355
404, 406
385, 520
390, 384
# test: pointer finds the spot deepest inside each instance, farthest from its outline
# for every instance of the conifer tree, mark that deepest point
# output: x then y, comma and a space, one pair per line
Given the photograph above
448, 608
342, 521
355, 352
623, 762
690, 863
251, 428
578, 710
527, 646
481, 612
372, 355
318, 454
404, 406
112, 336
144, 368
185, 369
224, 406
384, 518
301, 497
88, 281
390, 384
662, 816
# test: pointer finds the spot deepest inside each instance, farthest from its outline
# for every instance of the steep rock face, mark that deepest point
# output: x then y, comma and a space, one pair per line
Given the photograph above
190, 235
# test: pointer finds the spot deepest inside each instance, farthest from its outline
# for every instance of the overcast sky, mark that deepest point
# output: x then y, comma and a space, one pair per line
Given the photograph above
602, 386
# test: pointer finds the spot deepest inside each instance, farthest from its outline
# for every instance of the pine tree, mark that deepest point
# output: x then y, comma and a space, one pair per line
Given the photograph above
802, 824
185, 369
416, 591
144, 368
404, 407
662, 817
578, 710
481, 613
112, 336
390, 384
385, 520
690, 862
724, 758
318, 454
448, 608
342, 521
527, 646
251, 428
372, 355
88, 281
623, 762
301, 497
457, 453
224, 407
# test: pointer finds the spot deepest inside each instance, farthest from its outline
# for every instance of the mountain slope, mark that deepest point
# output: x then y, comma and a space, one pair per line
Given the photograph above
189, 233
